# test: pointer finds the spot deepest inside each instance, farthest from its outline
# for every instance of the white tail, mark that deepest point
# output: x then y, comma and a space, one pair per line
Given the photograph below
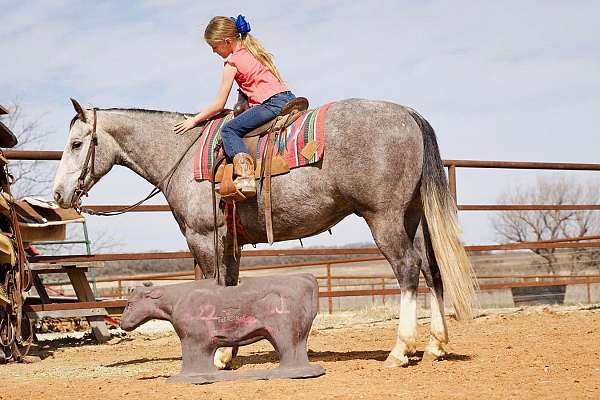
441, 214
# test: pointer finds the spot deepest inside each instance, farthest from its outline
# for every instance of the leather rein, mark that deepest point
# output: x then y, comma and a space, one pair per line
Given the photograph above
88, 168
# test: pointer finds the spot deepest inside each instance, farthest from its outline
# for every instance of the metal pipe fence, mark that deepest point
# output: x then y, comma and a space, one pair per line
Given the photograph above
336, 285
451, 165
372, 252
375, 289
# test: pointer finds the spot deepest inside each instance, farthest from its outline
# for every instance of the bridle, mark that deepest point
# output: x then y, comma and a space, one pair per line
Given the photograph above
88, 168
88, 165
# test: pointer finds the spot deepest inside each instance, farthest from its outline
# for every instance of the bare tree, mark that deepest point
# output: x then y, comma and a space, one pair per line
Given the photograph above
32, 178
524, 226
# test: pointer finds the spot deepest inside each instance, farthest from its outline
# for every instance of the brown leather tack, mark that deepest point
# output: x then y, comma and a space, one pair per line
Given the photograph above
227, 189
270, 164
310, 149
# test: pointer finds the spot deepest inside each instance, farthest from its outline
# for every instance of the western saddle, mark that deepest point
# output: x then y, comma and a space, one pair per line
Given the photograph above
266, 167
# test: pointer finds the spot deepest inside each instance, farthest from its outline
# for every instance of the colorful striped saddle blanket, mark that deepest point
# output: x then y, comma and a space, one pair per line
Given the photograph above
299, 144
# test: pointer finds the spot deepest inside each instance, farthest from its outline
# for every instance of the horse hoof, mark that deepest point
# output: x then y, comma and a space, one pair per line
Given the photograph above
220, 365
394, 362
431, 355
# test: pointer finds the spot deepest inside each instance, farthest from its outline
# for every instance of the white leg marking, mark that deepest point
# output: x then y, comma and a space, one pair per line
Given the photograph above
407, 331
439, 330
223, 357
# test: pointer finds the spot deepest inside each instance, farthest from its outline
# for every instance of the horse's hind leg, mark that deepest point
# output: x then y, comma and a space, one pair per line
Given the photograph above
395, 240
433, 278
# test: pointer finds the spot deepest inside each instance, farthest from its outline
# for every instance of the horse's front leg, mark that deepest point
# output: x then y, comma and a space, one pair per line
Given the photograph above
202, 247
203, 250
229, 269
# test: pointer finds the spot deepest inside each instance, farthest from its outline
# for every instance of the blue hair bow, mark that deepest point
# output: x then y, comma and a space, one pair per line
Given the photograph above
241, 24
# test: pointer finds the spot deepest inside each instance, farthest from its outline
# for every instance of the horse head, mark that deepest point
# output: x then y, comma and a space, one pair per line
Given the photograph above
89, 154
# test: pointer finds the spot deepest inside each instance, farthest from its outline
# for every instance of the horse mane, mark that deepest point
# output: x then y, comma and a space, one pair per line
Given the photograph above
143, 110
140, 110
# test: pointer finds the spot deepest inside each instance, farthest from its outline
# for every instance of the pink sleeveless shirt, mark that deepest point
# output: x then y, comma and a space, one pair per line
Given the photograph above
254, 79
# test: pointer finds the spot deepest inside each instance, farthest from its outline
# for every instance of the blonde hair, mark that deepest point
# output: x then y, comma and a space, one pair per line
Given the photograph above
221, 28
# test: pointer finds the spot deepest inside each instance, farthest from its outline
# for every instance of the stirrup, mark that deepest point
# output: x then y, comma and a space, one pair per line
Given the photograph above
246, 185
243, 165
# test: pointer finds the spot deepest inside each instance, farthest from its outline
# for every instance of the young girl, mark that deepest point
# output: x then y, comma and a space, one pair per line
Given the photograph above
251, 66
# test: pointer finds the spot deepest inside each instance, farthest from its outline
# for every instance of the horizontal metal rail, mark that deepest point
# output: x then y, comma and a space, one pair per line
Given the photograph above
528, 207
120, 304
532, 246
301, 252
185, 254
190, 276
53, 242
490, 286
461, 207
56, 155
75, 305
33, 155
521, 165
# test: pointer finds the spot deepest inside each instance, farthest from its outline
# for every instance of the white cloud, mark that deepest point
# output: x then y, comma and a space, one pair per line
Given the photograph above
498, 80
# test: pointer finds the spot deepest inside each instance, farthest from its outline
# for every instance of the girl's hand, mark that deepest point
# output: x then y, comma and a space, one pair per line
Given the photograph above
184, 126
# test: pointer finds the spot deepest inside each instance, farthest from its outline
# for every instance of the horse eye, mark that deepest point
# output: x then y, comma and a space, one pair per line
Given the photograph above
76, 145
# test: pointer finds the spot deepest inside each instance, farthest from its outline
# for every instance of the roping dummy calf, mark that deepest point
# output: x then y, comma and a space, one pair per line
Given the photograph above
207, 316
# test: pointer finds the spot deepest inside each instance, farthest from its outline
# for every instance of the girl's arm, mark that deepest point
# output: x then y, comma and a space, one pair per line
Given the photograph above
215, 107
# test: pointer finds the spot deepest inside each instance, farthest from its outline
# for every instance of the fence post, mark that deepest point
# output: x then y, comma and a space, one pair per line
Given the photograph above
329, 287
373, 294
589, 291
383, 290
452, 181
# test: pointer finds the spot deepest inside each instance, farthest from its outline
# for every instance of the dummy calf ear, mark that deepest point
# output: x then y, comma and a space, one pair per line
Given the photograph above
78, 109
154, 294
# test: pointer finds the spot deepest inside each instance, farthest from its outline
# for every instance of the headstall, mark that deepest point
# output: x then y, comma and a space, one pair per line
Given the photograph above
88, 165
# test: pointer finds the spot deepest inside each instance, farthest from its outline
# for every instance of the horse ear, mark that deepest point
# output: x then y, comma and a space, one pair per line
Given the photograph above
78, 109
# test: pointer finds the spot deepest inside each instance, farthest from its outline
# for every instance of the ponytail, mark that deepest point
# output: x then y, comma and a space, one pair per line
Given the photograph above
262, 55
221, 28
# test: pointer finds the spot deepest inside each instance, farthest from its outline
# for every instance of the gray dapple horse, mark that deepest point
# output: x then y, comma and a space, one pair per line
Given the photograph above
381, 162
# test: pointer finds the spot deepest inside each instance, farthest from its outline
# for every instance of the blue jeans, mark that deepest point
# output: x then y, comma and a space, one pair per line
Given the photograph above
234, 130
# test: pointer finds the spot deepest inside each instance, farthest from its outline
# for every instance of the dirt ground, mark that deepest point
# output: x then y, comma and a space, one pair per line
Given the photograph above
530, 354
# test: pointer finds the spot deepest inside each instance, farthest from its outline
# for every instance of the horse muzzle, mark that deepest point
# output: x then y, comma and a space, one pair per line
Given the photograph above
64, 201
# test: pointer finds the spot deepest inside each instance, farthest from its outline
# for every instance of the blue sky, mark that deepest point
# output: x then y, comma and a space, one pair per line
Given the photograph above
497, 80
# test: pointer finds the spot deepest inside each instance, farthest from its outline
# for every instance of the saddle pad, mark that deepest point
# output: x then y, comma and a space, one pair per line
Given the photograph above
300, 144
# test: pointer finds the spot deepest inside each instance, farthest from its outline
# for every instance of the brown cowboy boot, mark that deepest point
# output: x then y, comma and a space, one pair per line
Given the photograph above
243, 167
